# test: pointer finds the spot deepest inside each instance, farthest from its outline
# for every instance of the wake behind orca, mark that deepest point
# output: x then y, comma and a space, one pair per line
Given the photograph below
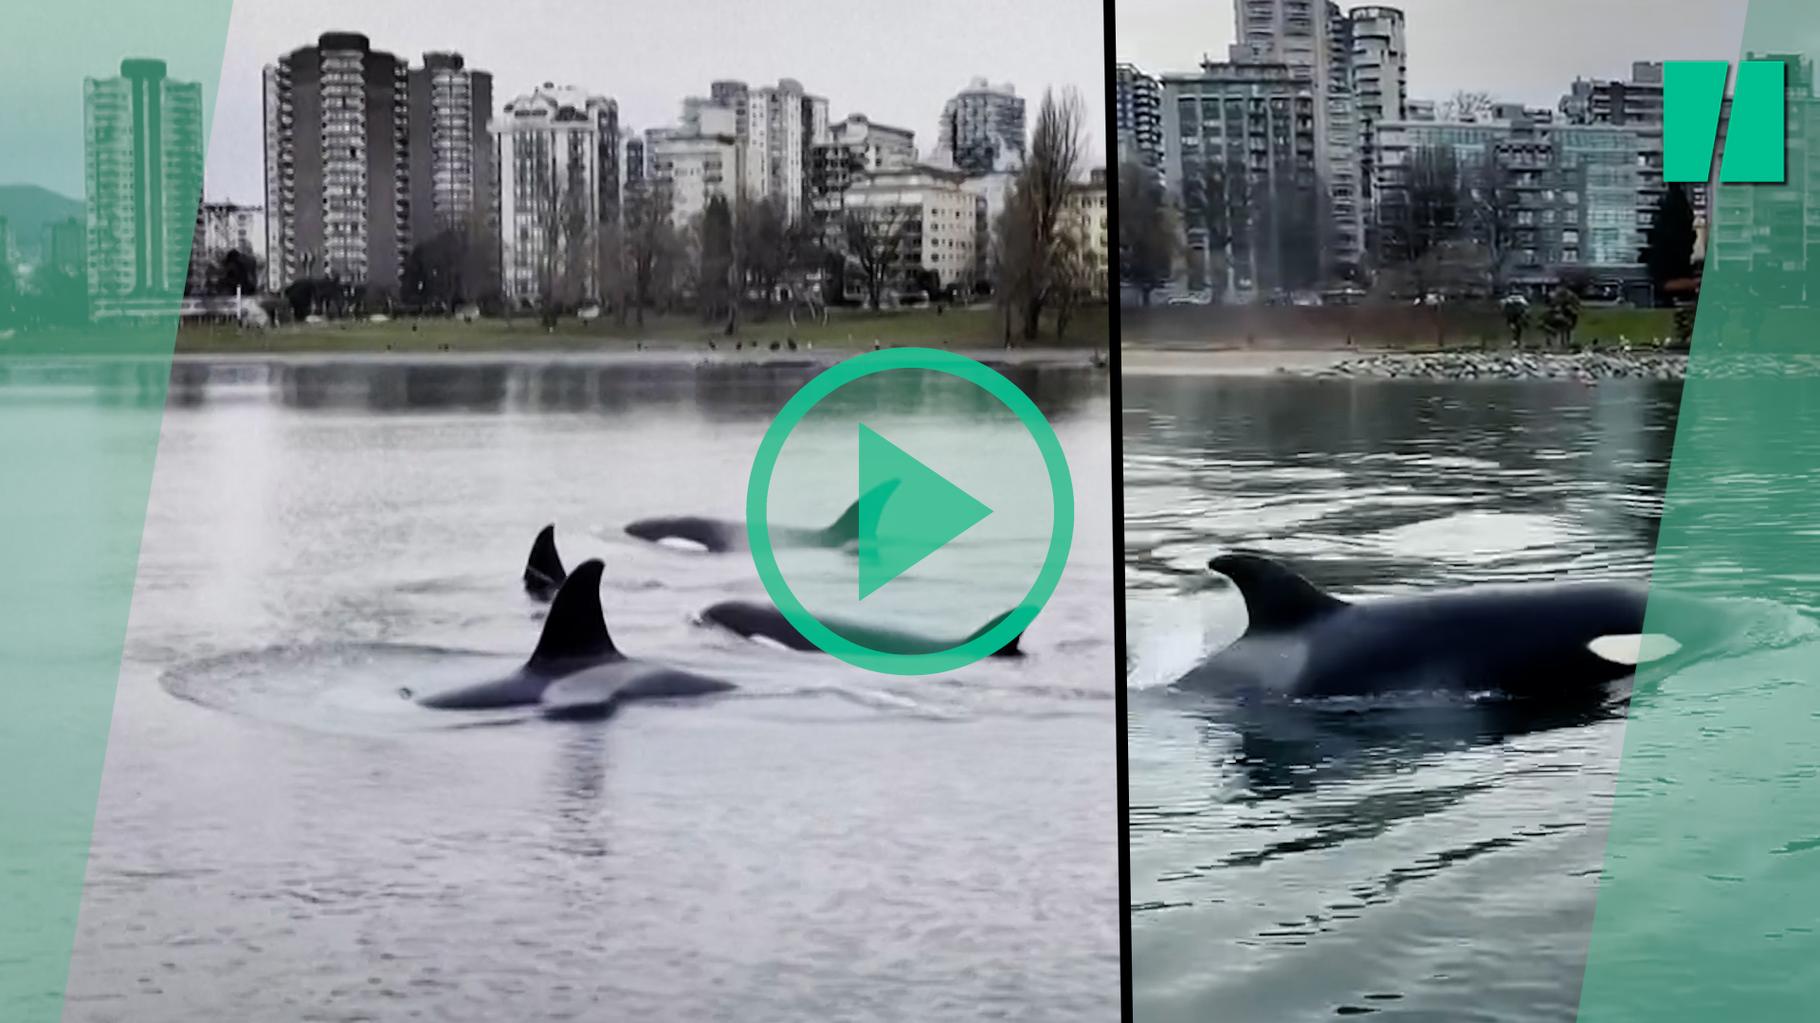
765, 623
576, 670
1529, 641
721, 535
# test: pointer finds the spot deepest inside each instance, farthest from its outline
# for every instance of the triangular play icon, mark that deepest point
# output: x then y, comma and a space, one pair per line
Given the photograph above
899, 527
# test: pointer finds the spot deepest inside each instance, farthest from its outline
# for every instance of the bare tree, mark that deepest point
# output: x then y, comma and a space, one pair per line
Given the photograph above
873, 237
612, 277
651, 248
805, 263
715, 265
565, 257
1466, 105
1076, 268
1146, 242
763, 247
1429, 210
1492, 201
1033, 212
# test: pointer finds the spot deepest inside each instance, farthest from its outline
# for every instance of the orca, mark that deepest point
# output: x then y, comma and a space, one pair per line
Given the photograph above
543, 569
766, 624
1541, 641
576, 671
718, 536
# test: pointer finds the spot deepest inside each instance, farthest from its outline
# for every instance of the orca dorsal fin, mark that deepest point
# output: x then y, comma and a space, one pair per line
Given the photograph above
543, 570
575, 627
846, 528
1276, 598
1010, 649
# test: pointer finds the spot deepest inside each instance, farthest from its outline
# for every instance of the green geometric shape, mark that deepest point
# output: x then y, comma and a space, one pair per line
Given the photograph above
1709, 895
1756, 138
1693, 93
926, 511
104, 102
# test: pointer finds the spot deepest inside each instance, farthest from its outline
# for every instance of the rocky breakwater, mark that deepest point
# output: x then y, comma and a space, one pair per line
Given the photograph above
1582, 366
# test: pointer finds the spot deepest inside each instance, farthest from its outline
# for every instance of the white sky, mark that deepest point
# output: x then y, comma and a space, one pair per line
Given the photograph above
895, 62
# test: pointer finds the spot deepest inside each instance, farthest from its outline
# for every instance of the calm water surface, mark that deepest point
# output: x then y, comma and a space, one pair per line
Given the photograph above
1410, 861
280, 836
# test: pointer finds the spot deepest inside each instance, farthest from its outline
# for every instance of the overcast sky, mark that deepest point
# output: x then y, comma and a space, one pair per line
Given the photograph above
895, 62
1527, 51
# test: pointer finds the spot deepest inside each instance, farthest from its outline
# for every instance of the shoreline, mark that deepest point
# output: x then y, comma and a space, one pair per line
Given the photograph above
658, 356
1467, 364
1150, 360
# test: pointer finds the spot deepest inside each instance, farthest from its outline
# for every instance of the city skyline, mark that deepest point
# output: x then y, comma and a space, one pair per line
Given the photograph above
1449, 39
649, 69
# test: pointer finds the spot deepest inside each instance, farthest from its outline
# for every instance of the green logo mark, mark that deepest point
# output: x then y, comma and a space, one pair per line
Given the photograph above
1756, 135
901, 525
925, 511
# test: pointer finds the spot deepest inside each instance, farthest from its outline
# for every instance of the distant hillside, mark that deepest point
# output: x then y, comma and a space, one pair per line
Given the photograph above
27, 208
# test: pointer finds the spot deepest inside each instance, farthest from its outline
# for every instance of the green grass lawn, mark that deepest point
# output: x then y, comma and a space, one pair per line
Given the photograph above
954, 328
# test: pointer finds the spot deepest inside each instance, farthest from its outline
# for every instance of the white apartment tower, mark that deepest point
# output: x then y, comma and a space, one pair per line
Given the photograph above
699, 160
1380, 86
937, 216
552, 176
777, 128
143, 178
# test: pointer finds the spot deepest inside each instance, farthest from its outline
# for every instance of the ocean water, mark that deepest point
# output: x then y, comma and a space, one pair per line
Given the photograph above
280, 835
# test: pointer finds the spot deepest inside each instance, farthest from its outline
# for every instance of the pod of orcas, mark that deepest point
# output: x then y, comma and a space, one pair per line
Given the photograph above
576, 671
717, 536
764, 623
1537, 641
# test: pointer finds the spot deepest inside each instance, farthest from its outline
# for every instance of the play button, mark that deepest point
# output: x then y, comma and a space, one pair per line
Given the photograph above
916, 499
902, 524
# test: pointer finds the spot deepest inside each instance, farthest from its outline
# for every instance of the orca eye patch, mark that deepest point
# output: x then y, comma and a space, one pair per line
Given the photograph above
1633, 649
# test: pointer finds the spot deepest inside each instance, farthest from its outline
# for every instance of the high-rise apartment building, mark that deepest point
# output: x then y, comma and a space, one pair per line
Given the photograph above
1545, 198
557, 146
697, 161
935, 218
366, 157
982, 129
1138, 102
783, 126
452, 176
1345, 227
337, 164
1634, 103
1377, 61
1313, 37
143, 156
855, 147
1242, 158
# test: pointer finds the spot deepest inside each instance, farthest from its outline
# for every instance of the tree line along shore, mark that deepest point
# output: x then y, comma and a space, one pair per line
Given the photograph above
975, 327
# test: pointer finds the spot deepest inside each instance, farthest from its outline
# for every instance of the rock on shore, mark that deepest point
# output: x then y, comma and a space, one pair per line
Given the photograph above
1582, 366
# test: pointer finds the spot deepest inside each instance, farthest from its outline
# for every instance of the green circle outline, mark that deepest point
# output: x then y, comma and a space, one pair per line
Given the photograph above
758, 528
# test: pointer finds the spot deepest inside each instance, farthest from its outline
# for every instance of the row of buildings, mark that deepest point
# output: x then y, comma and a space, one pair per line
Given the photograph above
1312, 108
367, 156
